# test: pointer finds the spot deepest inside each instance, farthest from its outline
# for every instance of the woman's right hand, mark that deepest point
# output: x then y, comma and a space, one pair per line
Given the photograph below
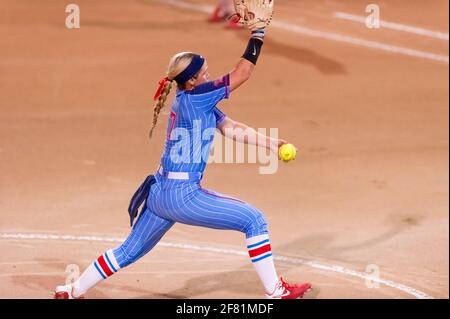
275, 145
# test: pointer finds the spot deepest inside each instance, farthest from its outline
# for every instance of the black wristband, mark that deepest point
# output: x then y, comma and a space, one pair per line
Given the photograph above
253, 50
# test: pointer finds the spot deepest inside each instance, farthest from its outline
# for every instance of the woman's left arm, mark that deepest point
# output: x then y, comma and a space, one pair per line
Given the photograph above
242, 133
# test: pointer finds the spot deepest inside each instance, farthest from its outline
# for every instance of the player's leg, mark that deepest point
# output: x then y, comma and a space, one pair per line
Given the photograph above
213, 210
146, 233
254, 226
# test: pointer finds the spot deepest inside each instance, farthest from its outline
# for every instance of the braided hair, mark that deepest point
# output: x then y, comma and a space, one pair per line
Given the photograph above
178, 63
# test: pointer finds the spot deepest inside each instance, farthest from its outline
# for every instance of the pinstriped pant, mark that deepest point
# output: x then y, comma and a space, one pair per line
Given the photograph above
186, 202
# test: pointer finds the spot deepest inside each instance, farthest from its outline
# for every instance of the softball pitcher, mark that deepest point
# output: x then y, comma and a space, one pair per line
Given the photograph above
175, 193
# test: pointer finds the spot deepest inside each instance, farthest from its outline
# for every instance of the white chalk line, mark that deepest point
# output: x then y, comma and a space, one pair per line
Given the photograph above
290, 260
153, 272
186, 5
360, 42
394, 26
323, 34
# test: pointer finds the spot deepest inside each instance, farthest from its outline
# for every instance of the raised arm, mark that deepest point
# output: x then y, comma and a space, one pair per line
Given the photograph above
241, 73
246, 64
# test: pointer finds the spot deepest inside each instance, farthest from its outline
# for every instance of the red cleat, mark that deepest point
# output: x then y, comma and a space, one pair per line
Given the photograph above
218, 15
233, 24
65, 292
284, 290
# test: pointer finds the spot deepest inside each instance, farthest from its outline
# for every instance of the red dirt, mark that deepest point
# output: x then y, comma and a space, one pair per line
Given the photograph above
369, 186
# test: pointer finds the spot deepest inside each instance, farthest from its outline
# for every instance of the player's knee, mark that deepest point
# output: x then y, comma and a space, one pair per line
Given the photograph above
258, 226
125, 256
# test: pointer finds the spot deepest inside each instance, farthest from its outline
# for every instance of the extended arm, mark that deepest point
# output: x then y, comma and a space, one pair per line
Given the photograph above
243, 133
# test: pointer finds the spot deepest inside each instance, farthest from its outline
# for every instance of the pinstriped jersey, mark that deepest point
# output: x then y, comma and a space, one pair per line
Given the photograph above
192, 124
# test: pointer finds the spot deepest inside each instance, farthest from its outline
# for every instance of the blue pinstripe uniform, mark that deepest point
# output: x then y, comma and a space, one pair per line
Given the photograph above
193, 112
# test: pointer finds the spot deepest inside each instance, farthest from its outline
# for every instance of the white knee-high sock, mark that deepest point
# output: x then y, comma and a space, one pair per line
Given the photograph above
261, 255
103, 267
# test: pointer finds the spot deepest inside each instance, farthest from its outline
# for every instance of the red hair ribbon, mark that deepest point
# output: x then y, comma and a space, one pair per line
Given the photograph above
162, 84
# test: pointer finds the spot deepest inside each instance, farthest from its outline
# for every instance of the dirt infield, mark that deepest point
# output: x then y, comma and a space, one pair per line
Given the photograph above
367, 110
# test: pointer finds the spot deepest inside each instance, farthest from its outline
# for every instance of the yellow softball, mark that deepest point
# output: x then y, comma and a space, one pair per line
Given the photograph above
287, 152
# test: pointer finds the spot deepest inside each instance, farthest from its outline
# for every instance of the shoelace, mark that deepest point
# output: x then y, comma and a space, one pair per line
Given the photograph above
286, 285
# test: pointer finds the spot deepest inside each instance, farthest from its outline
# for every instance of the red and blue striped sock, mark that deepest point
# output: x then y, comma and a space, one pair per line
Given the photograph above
261, 255
103, 267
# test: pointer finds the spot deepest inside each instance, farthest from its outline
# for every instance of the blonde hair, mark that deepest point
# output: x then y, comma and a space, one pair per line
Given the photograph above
178, 63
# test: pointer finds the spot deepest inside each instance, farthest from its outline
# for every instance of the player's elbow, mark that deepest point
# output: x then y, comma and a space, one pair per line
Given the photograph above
227, 124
